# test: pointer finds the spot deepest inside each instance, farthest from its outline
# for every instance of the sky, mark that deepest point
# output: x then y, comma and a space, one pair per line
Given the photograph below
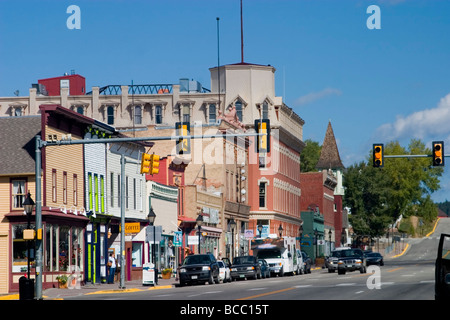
375, 85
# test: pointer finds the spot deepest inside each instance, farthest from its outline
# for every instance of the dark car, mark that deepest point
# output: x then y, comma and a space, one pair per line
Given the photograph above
442, 269
351, 260
307, 262
374, 258
199, 268
245, 267
265, 270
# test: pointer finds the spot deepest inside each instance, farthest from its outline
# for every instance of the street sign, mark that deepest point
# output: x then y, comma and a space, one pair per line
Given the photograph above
149, 234
178, 239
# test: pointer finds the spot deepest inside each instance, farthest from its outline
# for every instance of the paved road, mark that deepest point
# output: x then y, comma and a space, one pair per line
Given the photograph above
408, 277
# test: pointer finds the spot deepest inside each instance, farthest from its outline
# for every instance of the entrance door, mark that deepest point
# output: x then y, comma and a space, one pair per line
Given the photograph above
442, 276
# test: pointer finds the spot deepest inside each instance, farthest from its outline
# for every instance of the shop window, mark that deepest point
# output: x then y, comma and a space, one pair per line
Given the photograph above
19, 249
18, 193
137, 254
63, 254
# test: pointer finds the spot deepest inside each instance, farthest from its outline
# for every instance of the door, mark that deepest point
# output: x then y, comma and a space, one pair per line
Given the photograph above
442, 275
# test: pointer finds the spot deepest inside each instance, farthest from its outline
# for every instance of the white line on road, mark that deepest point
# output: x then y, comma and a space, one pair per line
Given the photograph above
345, 284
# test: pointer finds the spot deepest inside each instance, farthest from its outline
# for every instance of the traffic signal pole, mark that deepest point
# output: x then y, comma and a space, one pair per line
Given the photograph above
39, 144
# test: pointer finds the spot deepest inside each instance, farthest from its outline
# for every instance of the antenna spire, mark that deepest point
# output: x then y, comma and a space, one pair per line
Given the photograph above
242, 37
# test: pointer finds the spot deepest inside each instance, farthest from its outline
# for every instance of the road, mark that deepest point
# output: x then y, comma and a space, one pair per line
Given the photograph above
408, 277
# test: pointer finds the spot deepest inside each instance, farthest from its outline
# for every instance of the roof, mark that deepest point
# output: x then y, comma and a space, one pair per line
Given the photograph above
17, 144
329, 156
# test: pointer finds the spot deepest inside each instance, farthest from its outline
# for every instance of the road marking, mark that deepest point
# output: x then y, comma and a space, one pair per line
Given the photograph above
399, 268
345, 284
358, 292
256, 289
304, 286
266, 294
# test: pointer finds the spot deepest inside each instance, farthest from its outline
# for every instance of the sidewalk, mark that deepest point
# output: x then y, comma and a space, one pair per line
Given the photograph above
92, 289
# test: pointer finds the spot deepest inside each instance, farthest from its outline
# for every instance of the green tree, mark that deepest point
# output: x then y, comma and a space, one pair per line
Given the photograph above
310, 156
378, 196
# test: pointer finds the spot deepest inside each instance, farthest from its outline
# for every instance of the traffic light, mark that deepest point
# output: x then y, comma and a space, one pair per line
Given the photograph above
154, 164
438, 153
262, 142
378, 155
145, 163
184, 144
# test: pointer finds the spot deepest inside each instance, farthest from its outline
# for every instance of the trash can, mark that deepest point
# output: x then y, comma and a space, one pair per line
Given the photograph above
26, 288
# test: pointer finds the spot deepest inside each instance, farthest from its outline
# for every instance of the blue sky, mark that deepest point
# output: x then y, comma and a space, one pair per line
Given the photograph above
374, 85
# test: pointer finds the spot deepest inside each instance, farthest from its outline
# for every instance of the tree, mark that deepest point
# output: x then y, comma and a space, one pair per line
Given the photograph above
310, 156
378, 196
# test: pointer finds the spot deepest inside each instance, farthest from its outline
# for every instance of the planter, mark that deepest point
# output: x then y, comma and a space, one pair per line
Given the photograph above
62, 285
167, 275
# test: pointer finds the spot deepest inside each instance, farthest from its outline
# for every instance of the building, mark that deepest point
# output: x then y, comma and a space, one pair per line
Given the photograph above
247, 92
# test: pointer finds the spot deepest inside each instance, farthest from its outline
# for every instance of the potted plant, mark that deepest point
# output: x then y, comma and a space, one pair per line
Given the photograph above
62, 281
166, 273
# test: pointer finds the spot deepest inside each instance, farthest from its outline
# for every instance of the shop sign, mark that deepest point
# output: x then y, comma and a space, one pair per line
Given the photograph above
132, 227
178, 239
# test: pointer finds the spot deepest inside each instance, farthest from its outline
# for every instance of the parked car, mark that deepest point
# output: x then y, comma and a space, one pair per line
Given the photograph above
245, 267
265, 270
198, 268
224, 271
351, 260
307, 262
374, 258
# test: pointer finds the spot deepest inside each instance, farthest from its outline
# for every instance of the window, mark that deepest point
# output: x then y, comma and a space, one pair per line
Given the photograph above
138, 115
54, 183
90, 191
110, 114
18, 193
158, 114
262, 194
18, 112
212, 113
111, 184
102, 194
265, 110
80, 110
137, 253
96, 191
75, 190
65, 187
238, 106
186, 113
19, 249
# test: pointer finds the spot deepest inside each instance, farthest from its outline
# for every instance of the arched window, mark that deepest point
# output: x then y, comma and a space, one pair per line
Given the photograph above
158, 114
80, 110
110, 114
238, 106
265, 110
212, 113
137, 115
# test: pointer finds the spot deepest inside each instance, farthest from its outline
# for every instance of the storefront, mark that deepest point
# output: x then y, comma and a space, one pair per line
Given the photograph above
63, 248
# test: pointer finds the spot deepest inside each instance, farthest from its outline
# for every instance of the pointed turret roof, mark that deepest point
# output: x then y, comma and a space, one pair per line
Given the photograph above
329, 156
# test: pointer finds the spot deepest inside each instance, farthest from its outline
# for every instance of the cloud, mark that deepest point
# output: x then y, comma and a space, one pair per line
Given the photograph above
313, 96
421, 124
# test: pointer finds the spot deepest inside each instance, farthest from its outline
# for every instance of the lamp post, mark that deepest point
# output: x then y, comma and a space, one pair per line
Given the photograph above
315, 239
28, 206
300, 232
199, 223
151, 220
329, 237
232, 226
260, 228
280, 230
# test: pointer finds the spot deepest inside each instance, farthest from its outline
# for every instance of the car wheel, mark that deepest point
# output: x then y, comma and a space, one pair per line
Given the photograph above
211, 279
341, 271
259, 275
217, 280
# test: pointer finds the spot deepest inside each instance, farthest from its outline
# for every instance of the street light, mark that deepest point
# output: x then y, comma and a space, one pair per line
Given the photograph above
28, 206
199, 223
151, 220
280, 230
232, 224
300, 232
329, 236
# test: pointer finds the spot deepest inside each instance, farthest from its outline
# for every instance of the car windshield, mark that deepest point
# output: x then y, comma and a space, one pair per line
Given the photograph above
221, 265
374, 254
267, 254
243, 260
197, 259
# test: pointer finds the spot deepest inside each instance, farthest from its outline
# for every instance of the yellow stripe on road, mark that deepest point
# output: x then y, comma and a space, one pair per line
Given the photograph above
266, 294
396, 269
